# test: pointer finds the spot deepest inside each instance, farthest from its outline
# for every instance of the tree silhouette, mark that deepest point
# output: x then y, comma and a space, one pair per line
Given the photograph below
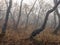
19, 15
29, 13
37, 31
58, 27
6, 18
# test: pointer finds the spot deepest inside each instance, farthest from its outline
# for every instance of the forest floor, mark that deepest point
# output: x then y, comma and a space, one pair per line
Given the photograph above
17, 37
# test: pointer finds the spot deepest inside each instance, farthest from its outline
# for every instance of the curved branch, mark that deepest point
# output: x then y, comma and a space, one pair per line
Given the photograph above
37, 31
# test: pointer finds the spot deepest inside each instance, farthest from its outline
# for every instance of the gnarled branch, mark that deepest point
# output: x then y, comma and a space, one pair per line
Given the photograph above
37, 31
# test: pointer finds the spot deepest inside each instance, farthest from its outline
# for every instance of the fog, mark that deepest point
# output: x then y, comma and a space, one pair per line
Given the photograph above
26, 19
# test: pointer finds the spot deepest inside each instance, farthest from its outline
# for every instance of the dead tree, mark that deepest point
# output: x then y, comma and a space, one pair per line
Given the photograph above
29, 14
37, 31
10, 14
19, 15
58, 27
6, 19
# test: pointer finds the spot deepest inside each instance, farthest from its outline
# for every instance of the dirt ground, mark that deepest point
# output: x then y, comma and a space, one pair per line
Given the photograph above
18, 37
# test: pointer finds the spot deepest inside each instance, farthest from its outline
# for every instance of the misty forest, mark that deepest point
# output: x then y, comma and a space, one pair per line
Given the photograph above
34, 23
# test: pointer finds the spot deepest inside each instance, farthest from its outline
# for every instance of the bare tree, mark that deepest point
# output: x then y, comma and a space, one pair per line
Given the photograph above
37, 31
26, 8
6, 19
38, 15
58, 27
19, 15
29, 13
11, 14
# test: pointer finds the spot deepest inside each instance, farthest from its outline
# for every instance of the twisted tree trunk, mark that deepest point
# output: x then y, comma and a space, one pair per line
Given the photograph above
37, 31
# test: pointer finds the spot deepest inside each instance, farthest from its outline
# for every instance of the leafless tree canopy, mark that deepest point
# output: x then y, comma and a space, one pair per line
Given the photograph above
37, 31
24, 17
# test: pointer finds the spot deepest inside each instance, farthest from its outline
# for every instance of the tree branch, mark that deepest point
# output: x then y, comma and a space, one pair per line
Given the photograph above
37, 31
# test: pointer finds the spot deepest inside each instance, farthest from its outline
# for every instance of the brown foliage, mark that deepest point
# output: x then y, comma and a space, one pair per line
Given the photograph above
17, 37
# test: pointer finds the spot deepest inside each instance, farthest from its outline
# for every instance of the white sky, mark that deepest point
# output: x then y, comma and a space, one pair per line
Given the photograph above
49, 1
25, 1
32, 1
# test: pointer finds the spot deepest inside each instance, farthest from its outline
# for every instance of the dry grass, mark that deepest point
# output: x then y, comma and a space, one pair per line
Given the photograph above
16, 37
